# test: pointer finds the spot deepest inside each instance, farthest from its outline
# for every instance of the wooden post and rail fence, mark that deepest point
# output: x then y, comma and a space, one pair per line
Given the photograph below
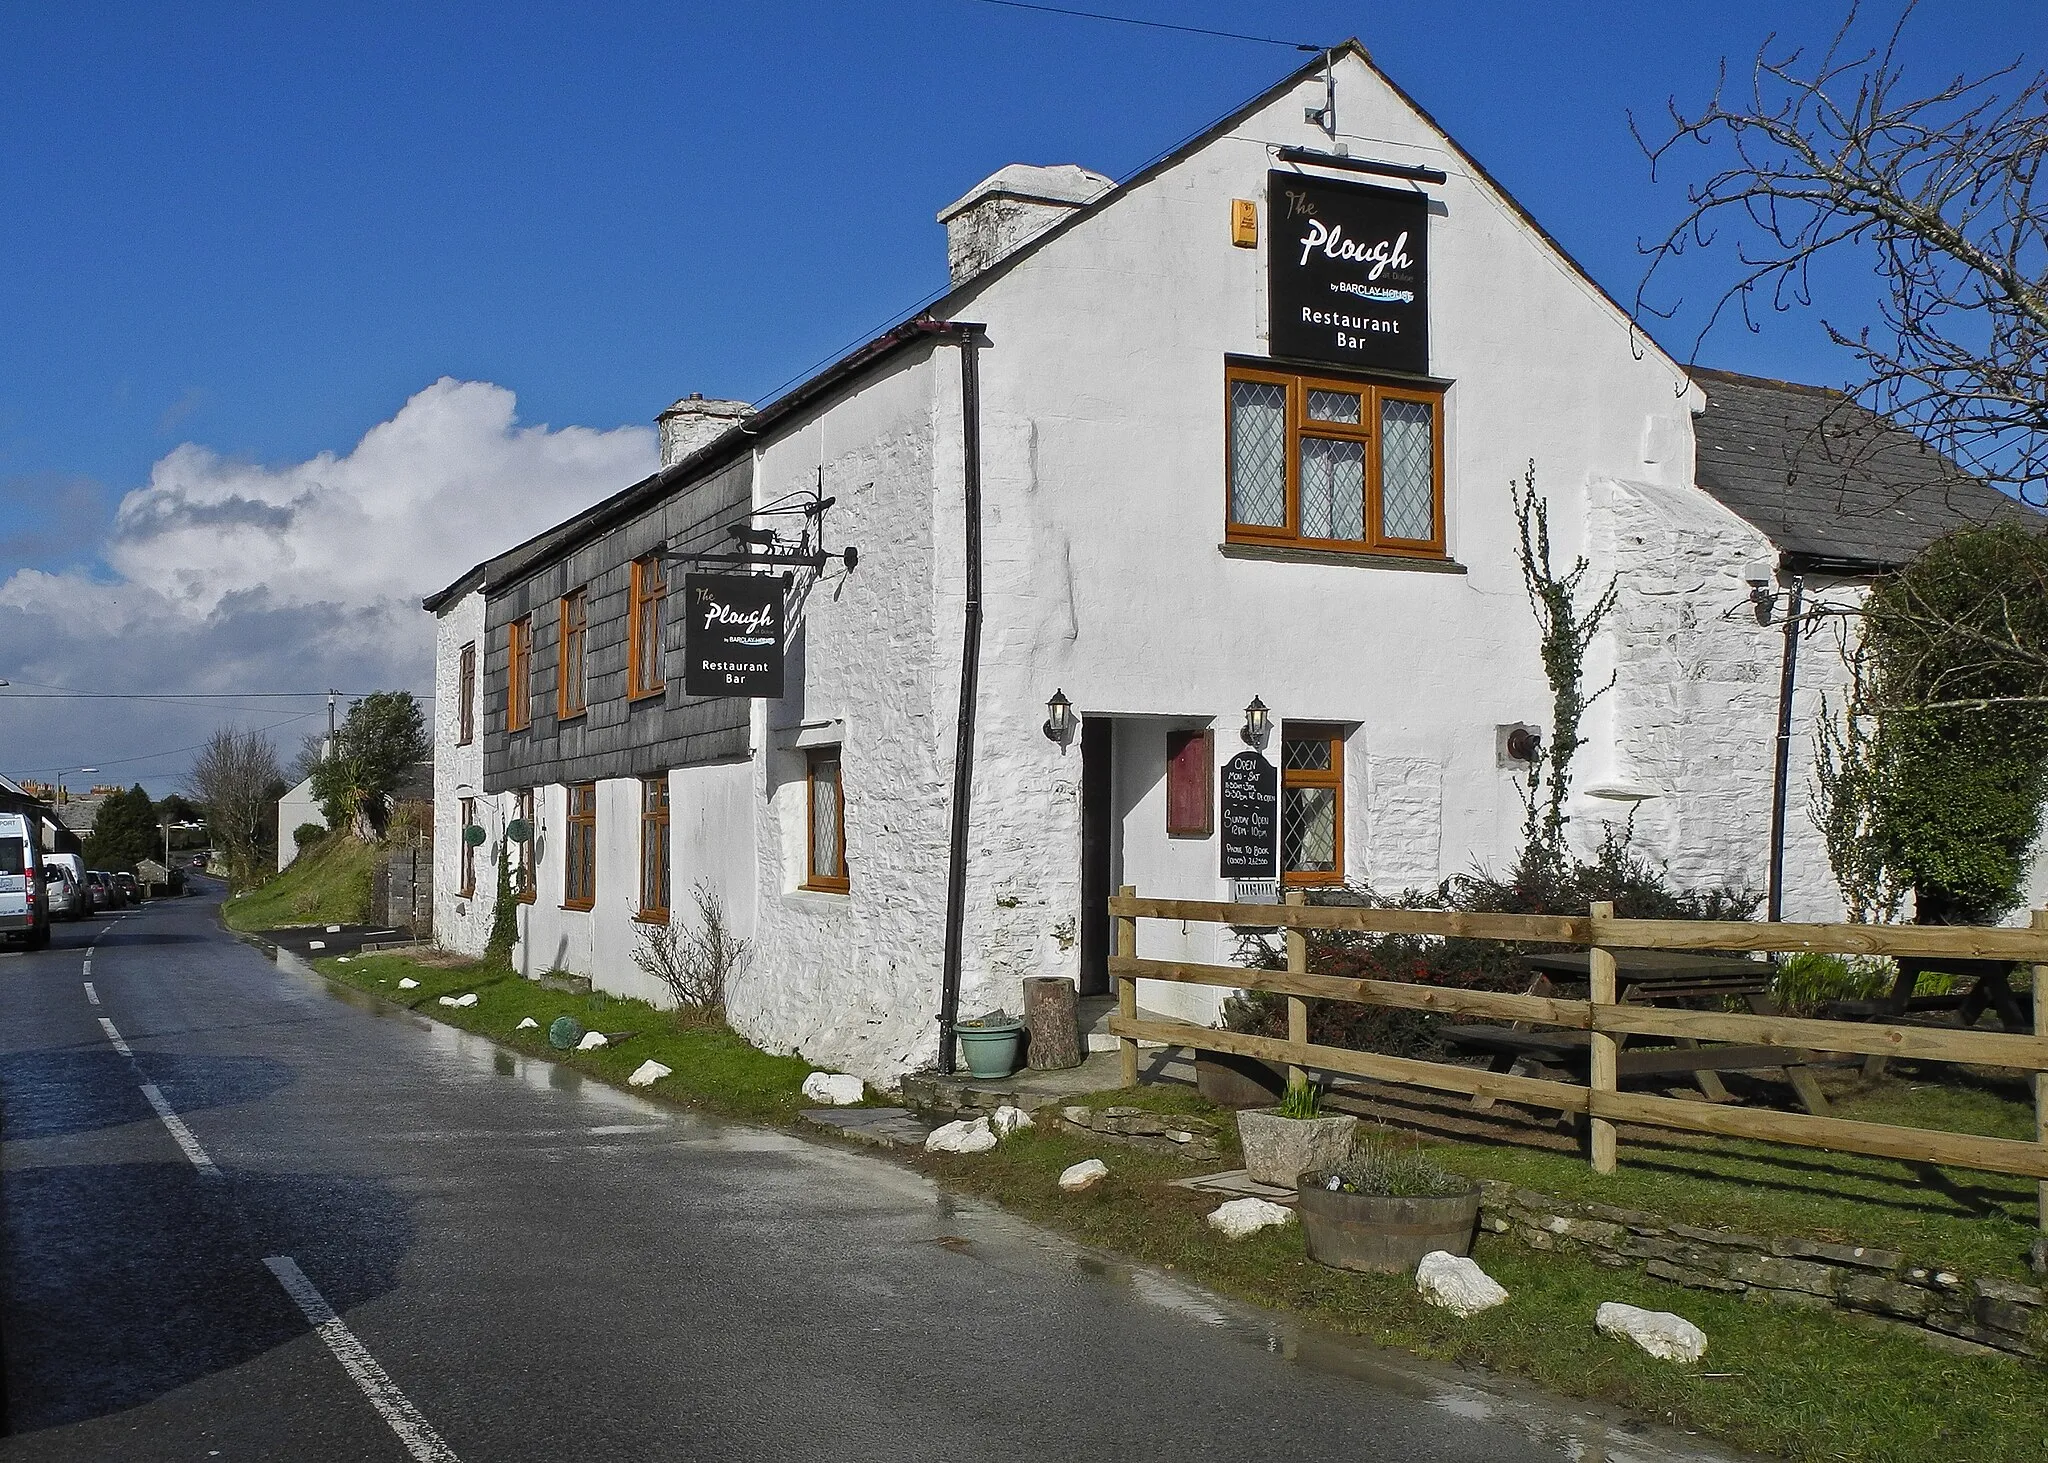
1607, 1020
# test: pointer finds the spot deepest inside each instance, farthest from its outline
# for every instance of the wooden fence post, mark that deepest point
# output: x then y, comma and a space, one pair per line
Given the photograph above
2040, 994
1127, 987
1297, 1008
1601, 1077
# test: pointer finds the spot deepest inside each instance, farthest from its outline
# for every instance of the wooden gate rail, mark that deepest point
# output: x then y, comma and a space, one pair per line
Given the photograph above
1606, 1019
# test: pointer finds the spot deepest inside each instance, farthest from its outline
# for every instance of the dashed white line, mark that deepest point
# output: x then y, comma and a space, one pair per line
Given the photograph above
91, 995
181, 1134
413, 1430
115, 1037
88, 965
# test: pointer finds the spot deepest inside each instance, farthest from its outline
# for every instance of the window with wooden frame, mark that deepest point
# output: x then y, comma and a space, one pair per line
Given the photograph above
519, 674
1311, 804
825, 863
1190, 784
654, 850
647, 627
579, 855
573, 617
522, 853
465, 694
468, 806
1323, 463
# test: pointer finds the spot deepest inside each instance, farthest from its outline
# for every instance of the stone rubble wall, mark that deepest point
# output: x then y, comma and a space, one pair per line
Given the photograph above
1943, 1305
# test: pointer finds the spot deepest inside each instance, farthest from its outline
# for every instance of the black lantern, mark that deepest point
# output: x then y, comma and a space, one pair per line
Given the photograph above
1059, 719
1258, 724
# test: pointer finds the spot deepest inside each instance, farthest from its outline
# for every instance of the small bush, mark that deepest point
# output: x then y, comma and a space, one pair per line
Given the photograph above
307, 834
1395, 1171
696, 964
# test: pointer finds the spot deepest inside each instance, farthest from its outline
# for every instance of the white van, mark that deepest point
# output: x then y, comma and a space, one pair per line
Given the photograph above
73, 866
24, 911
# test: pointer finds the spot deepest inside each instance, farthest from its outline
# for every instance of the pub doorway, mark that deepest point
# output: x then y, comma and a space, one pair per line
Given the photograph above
1099, 839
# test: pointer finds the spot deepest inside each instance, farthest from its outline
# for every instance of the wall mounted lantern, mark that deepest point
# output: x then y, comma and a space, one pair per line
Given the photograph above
1059, 719
1258, 724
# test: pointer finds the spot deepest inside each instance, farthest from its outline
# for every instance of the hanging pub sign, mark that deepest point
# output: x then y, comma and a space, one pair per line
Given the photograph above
1249, 813
732, 634
1347, 274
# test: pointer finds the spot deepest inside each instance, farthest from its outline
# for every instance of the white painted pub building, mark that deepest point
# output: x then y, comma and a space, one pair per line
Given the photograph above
1239, 429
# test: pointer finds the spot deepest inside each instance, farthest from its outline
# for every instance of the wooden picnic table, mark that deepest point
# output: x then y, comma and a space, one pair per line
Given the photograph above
1658, 977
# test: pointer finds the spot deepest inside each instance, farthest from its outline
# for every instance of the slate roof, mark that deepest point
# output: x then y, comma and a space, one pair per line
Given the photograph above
1830, 482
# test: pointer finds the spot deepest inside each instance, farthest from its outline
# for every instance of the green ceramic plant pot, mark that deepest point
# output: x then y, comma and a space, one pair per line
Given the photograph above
990, 1051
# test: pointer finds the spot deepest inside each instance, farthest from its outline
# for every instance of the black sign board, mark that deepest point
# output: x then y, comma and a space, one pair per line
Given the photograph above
1249, 811
732, 634
1347, 274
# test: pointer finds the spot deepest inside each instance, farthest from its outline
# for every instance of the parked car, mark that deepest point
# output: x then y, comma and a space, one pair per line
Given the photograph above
24, 907
74, 865
130, 887
104, 894
67, 897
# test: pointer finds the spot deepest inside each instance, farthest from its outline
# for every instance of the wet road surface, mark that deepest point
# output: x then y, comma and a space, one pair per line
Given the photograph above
248, 1214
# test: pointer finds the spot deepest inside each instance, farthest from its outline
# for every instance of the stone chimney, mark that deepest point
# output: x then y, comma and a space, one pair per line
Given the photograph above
693, 422
1008, 207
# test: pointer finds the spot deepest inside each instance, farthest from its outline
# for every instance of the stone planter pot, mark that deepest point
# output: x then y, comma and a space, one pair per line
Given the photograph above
1378, 1234
990, 1051
1279, 1150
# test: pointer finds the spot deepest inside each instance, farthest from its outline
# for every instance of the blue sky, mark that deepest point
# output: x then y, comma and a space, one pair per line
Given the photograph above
263, 230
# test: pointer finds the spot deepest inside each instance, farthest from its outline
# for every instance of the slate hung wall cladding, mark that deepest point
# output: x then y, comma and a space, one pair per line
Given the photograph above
614, 737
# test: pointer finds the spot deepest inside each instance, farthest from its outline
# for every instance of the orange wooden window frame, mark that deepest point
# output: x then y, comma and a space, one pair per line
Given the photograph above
467, 813
523, 881
654, 839
842, 882
644, 670
573, 622
1366, 430
579, 862
519, 674
1331, 777
465, 692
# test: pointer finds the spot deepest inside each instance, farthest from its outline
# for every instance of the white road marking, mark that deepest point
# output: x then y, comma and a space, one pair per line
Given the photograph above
181, 1134
115, 1037
413, 1430
88, 965
91, 995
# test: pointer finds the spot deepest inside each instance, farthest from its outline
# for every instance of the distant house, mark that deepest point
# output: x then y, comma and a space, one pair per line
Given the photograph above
1236, 432
296, 807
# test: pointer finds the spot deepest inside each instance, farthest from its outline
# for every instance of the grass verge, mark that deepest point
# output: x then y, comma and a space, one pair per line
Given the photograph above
327, 884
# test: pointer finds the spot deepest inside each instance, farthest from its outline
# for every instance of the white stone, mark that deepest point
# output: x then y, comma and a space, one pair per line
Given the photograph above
1665, 1336
834, 1089
468, 998
526, 1023
447, 1000
1241, 1217
1008, 1120
961, 1137
591, 1041
648, 1073
343, 959
1457, 1284
1084, 1175
334, 929
316, 944
408, 984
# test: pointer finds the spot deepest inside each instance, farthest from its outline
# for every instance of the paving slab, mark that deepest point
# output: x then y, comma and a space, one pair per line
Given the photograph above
1235, 1183
880, 1127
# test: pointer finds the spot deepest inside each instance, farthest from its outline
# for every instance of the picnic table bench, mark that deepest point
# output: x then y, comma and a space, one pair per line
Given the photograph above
1655, 977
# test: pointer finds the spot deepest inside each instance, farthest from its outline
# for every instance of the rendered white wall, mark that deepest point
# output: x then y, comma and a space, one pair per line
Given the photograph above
461, 923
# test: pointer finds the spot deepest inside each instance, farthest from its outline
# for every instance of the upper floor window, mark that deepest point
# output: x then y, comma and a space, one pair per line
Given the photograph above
575, 620
519, 674
826, 860
647, 627
579, 864
465, 694
1311, 804
1333, 464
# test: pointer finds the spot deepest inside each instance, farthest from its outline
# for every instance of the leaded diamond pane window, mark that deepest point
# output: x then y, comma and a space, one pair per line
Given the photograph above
1308, 830
1334, 465
1407, 475
1311, 804
1310, 754
827, 820
1258, 453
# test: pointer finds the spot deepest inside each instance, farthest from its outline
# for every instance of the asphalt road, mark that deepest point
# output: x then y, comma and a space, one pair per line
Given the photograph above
205, 1155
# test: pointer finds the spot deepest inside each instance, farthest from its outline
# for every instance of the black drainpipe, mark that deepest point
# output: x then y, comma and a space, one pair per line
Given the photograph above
969, 338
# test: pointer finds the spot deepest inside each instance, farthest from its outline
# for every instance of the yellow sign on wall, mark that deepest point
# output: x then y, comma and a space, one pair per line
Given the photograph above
1244, 223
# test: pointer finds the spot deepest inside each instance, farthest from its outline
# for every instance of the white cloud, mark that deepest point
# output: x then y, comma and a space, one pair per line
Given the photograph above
233, 576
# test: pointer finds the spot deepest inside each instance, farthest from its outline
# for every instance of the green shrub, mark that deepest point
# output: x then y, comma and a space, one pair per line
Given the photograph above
1395, 1171
307, 834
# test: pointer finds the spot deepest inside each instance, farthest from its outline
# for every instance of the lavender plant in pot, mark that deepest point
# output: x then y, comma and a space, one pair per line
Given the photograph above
1281, 1143
1384, 1209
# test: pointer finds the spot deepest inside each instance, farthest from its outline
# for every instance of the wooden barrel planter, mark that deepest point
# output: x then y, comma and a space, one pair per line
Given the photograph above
1386, 1236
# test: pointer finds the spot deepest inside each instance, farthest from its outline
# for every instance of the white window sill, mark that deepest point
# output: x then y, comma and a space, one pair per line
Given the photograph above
815, 899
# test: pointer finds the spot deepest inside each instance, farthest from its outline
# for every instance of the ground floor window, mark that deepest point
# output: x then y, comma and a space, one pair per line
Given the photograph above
826, 864
579, 864
522, 852
468, 849
654, 850
1311, 804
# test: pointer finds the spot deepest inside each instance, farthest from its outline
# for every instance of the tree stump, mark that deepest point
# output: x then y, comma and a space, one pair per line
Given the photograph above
1052, 1016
